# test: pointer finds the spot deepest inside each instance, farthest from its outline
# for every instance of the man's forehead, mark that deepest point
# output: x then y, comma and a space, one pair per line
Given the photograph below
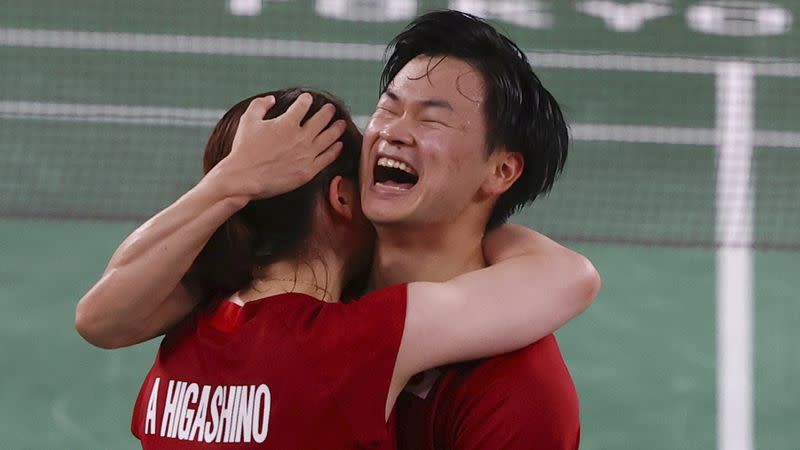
447, 75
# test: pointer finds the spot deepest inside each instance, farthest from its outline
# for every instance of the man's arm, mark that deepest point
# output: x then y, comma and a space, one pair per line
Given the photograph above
532, 288
141, 293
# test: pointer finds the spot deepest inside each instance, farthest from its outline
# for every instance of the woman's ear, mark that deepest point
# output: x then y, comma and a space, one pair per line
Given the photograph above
342, 197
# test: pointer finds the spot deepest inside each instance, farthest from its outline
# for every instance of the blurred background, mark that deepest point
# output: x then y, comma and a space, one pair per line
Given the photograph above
682, 185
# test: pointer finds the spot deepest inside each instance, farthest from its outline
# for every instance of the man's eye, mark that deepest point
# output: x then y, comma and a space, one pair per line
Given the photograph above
431, 120
382, 110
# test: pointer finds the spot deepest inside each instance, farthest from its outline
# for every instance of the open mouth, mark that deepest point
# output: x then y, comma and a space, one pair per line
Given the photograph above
395, 174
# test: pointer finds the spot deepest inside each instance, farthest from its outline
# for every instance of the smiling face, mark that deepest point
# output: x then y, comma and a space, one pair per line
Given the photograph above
424, 157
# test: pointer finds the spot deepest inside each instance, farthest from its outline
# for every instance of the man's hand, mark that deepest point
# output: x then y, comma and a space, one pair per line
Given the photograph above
275, 156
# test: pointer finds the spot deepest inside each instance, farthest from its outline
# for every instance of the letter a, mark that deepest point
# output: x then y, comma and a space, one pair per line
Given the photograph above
150, 422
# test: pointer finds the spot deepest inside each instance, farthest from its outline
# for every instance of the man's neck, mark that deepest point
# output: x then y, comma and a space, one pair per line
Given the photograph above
429, 253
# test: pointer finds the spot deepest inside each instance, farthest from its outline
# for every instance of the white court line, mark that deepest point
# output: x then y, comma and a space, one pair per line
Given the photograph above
175, 43
196, 117
138, 115
777, 139
258, 47
644, 134
676, 135
735, 85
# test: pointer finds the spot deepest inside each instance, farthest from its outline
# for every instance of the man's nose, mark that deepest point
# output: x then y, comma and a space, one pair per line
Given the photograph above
397, 132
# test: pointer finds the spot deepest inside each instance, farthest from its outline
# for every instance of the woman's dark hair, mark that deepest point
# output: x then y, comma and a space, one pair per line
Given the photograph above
266, 229
521, 115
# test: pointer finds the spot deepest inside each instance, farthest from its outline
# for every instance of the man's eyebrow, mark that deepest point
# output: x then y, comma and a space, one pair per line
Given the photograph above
437, 103
390, 93
428, 103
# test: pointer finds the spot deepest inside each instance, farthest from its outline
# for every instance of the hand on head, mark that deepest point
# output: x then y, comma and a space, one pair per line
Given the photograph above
272, 156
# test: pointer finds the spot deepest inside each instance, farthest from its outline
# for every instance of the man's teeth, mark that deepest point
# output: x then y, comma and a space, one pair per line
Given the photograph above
389, 162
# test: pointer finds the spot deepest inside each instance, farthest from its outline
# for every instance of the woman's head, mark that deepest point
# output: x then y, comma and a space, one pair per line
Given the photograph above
300, 224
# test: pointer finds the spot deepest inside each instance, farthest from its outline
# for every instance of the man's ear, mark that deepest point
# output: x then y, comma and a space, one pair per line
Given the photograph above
505, 168
342, 197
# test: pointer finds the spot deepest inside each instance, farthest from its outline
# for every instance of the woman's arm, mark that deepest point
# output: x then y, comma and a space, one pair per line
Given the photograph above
533, 287
140, 294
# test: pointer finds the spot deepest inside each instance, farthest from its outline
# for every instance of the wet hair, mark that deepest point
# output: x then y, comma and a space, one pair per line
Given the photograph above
266, 229
521, 115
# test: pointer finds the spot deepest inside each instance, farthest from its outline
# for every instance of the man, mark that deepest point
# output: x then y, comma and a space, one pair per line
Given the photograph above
464, 135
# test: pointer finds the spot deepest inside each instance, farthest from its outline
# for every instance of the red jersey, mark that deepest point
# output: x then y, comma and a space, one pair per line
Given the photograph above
521, 400
284, 372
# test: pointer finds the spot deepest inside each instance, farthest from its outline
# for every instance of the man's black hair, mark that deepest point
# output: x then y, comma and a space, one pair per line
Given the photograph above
521, 115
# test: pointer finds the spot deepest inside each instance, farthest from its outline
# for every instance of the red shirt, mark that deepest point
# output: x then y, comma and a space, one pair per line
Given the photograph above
284, 372
521, 400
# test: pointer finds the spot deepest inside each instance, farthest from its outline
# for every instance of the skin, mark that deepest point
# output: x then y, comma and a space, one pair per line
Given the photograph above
434, 123
432, 118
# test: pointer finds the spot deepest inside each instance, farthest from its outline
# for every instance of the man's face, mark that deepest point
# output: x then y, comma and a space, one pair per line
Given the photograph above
424, 155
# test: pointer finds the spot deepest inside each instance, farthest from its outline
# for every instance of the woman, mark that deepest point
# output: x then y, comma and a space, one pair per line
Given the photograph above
266, 243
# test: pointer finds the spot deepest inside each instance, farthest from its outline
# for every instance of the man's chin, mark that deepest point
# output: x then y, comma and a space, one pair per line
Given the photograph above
388, 217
